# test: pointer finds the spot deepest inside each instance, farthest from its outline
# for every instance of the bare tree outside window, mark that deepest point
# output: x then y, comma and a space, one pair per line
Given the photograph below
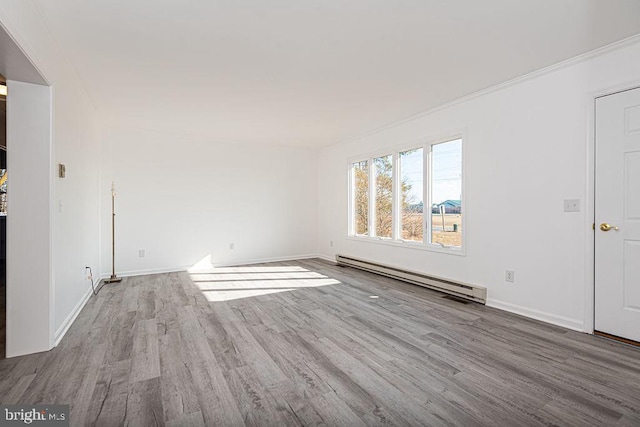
384, 195
360, 180
411, 203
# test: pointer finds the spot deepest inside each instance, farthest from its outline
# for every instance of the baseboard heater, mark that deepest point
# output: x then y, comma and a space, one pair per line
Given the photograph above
462, 290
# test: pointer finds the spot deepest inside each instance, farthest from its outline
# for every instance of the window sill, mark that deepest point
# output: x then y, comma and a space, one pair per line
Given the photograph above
409, 245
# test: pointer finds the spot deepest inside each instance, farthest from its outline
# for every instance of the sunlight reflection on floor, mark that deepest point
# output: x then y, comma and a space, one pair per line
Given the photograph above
229, 283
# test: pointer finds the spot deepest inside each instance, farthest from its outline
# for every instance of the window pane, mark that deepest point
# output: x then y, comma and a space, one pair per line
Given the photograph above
384, 195
360, 182
446, 193
411, 203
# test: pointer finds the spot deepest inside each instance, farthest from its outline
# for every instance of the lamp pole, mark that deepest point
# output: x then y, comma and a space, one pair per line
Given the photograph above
113, 278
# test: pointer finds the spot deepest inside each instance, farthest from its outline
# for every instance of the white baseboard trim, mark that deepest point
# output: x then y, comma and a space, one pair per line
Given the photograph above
265, 260
133, 273
327, 258
565, 322
62, 330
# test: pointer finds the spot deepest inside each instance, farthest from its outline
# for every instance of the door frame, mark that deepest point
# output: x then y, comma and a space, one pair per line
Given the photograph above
29, 83
590, 202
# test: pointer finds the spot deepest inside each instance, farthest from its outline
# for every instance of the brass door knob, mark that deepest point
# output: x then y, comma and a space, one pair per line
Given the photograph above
606, 227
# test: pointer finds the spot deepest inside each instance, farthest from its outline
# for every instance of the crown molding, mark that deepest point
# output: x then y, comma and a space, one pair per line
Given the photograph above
498, 87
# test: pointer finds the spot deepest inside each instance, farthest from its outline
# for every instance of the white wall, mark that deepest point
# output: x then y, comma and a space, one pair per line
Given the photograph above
29, 219
527, 148
74, 201
183, 198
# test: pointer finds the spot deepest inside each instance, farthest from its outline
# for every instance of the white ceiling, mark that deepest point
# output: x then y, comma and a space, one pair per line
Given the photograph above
310, 72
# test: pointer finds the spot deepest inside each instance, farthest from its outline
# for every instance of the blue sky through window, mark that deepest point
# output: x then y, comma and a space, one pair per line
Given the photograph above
447, 172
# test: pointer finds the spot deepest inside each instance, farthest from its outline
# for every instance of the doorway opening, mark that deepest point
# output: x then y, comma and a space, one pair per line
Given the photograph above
3, 215
28, 321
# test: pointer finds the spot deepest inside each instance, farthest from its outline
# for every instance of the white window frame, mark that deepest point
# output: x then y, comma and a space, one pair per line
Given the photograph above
395, 240
352, 228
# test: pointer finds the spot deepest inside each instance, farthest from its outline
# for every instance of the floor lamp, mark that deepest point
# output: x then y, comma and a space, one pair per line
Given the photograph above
113, 278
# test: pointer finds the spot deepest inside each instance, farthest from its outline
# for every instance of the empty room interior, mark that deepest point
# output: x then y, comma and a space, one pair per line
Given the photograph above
320, 213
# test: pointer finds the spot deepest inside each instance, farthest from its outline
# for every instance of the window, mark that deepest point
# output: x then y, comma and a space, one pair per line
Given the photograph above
360, 198
446, 193
384, 195
412, 196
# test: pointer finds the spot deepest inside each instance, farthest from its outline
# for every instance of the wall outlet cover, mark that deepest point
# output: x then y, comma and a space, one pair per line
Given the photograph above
572, 205
510, 276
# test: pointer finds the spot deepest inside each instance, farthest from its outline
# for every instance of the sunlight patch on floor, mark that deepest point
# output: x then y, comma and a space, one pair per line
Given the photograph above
263, 275
219, 284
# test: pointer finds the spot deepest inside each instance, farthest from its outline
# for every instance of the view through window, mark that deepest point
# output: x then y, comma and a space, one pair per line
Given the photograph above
446, 193
384, 196
425, 193
360, 198
411, 199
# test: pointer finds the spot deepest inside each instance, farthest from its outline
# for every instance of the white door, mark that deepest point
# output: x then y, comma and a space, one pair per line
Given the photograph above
617, 215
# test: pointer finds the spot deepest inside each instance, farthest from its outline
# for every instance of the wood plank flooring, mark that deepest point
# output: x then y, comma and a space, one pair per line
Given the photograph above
310, 343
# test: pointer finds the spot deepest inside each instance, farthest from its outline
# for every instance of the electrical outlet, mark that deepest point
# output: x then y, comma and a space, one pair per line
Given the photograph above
331, 243
572, 205
510, 276
231, 246
141, 253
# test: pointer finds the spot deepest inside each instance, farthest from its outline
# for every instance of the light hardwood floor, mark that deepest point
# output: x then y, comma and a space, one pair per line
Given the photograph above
310, 343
